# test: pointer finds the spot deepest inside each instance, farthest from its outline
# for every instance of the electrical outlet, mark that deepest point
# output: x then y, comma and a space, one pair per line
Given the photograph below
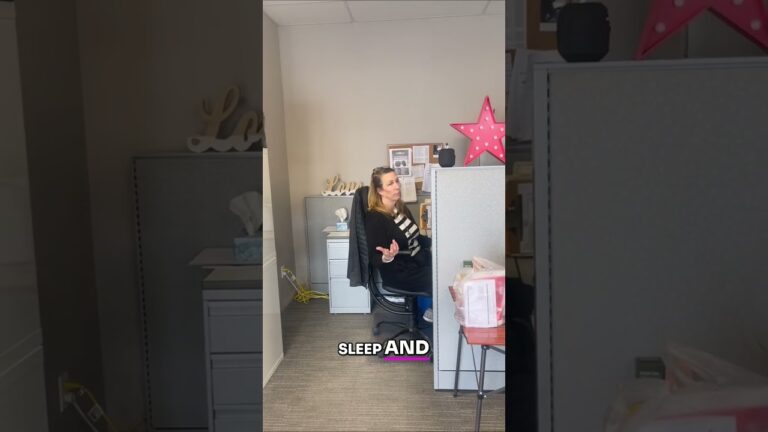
63, 377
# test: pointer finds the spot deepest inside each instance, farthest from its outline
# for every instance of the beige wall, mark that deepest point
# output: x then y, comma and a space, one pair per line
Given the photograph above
709, 36
351, 89
146, 65
49, 64
22, 377
627, 20
278, 155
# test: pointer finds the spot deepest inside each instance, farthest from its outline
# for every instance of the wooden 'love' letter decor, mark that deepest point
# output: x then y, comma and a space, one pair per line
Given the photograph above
335, 187
248, 134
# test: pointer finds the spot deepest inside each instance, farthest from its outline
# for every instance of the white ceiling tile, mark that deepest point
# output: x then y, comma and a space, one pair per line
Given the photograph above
495, 7
299, 13
413, 9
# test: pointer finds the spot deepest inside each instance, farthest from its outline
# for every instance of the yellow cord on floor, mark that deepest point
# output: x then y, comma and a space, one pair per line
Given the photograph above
303, 295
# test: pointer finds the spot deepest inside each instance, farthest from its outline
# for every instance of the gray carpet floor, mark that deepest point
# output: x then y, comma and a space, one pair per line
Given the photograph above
315, 389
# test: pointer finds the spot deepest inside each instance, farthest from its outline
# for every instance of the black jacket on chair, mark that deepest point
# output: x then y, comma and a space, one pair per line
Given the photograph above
357, 265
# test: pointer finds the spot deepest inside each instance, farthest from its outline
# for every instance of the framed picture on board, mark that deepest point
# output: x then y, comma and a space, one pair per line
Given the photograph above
400, 161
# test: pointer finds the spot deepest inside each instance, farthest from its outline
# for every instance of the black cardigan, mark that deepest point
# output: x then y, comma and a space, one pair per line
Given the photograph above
405, 271
357, 265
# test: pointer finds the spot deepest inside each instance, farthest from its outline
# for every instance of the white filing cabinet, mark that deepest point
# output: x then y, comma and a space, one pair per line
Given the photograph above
233, 345
343, 298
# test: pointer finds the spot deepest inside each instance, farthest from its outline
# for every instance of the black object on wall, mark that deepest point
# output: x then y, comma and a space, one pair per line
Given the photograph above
583, 32
446, 157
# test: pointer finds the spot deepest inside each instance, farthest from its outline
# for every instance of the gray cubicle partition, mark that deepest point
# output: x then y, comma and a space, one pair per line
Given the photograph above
467, 221
182, 207
651, 218
320, 213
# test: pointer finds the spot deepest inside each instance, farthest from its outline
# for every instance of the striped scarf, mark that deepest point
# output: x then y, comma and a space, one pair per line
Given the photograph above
410, 230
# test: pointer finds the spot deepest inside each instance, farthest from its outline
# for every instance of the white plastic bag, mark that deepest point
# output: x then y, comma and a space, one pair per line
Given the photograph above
479, 294
701, 393
691, 367
631, 399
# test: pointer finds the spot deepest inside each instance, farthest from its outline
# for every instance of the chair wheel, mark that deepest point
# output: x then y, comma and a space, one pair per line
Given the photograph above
376, 331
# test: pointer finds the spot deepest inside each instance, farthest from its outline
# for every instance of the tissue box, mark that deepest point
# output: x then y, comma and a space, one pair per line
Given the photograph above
248, 249
341, 226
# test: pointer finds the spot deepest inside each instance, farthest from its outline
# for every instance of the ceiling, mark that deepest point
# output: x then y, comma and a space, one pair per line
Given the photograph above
304, 12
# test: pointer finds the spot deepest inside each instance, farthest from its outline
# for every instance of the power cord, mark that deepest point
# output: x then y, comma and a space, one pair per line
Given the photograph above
73, 390
303, 295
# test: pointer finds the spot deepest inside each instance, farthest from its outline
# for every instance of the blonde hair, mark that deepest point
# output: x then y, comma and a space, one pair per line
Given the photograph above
374, 199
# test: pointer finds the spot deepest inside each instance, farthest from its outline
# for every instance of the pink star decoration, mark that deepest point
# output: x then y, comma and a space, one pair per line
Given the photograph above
668, 16
486, 134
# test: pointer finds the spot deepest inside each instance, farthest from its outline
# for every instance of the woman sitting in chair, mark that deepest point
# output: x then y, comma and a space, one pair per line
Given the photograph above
395, 246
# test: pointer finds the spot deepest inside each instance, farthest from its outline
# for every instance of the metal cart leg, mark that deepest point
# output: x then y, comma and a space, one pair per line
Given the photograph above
458, 363
480, 392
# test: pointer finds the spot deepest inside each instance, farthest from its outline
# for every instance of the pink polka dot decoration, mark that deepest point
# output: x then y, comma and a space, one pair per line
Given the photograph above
666, 17
486, 134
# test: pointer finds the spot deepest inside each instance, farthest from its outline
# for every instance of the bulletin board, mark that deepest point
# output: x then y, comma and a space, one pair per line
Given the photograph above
405, 159
541, 31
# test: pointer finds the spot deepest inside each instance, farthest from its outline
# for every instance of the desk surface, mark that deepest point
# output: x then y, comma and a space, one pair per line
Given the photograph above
332, 232
486, 336
235, 277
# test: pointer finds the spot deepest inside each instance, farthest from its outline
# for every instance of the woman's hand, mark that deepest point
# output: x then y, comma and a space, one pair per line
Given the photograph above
387, 255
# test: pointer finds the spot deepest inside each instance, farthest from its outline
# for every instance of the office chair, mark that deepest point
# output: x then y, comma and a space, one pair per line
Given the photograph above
361, 271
